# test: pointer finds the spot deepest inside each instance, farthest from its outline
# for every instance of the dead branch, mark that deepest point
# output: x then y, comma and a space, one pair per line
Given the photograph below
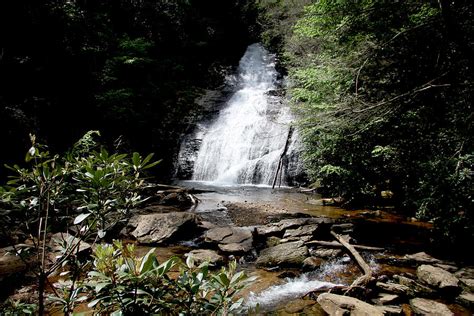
335, 244
364, 279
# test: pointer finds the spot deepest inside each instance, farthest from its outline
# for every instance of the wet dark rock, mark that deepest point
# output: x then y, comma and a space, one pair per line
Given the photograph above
466, 299
448, 267
467, 284
312, 263
287, 274
344, 228
218, 217
203, 255
420, 258
273, 241
415, 288
286, 254
438, 278
466, 273
429, 307
10, 263
179, 198
160, 228
334, 304
298, 306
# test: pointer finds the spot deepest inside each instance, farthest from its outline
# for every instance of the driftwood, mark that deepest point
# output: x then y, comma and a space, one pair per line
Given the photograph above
364, 279
283, 154
335, 244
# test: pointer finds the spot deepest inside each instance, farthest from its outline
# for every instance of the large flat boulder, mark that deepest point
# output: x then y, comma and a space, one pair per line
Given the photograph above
205, 255
292, 223
305, 230
437, 278
422, 306
160, 228
230, 239
334, 304
285, 254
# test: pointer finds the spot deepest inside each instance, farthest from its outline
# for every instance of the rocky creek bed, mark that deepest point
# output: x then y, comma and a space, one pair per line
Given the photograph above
287, 240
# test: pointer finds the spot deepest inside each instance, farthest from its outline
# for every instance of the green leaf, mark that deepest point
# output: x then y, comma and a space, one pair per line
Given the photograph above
147, 261
80, 218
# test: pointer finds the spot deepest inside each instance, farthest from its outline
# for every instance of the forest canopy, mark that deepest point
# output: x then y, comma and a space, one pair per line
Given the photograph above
384, 92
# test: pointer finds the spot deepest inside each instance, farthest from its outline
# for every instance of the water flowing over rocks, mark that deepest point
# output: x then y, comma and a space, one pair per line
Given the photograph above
162, 227
244, 144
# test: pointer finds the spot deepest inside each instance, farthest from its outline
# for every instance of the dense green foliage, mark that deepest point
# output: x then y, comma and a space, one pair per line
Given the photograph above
122, 283
384, 94
89, 192
128, 68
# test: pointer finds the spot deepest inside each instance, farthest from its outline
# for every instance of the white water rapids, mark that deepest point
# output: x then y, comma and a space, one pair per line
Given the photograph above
243, 145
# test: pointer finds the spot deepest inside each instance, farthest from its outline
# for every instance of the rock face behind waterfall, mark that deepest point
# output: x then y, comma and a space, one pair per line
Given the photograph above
244, 142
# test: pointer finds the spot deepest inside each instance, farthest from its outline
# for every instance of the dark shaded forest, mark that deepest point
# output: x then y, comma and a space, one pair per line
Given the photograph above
131, 69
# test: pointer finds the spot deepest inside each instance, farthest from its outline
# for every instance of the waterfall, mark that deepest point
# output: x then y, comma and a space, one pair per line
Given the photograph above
243, 145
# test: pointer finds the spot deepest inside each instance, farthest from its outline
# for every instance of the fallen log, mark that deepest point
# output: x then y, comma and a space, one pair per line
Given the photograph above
335, 244
364, 279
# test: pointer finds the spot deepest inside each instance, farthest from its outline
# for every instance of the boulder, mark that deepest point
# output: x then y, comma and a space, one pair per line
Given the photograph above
393, 288
203, 255
424, 306
230, 239
10, 263
273, 241
421, 257
437, 278
286, 254
60, 241
160, 228
414, 288
306, 230
334, 304
279, 227
312, 263
326, 253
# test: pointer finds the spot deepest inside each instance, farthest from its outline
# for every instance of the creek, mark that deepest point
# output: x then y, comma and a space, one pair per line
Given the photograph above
235, 157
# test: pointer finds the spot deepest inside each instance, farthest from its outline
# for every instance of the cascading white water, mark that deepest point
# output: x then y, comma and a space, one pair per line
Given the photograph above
245, 142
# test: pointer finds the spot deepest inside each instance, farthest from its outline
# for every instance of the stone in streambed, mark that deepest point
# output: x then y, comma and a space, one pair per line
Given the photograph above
160, 228
393, 288
424, 306
385, 299
203, 255
281, 226
286, 254
438, 278
230, 239
466, 299
334, 304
